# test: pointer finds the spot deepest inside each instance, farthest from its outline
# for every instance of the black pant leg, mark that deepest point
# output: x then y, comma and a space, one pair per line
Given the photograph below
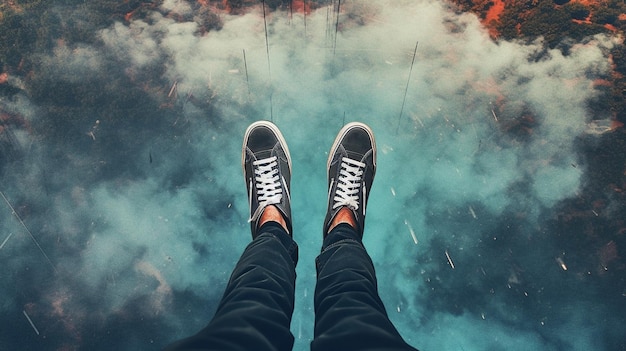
349, 314
256, 309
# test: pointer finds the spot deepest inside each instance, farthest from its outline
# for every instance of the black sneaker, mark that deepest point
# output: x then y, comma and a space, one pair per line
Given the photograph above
351, 168
267, 172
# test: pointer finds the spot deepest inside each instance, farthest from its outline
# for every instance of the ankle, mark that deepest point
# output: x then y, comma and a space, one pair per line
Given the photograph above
272, 214
343, 216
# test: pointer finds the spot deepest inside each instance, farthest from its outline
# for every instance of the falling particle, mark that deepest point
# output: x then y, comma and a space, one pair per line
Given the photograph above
173, 89
494, 115
5, 240
482, 315
449, 259
31, 322
407, 87
398, 308
595, 213
561, 263
411, 231
471, 210
28, 231
393, 191
300, 329
415, 117
387, 149
230, 205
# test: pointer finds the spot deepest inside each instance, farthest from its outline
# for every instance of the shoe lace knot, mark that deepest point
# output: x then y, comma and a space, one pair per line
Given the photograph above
268, 185
348, 184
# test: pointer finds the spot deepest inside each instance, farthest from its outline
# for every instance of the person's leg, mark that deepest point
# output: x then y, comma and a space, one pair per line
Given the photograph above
255, 311
256, 308
349, 314
348, 310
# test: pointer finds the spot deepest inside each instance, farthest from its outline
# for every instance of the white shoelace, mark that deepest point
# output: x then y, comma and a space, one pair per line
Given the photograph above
268, 185
348, 184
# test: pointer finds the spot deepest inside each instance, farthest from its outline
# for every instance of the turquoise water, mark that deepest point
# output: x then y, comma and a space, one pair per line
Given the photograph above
124, 208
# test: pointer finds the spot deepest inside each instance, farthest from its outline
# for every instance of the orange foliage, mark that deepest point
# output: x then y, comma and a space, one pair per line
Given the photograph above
602, 83
589, 2
495, 11
13, 6
226, 5
493, 17
301, 6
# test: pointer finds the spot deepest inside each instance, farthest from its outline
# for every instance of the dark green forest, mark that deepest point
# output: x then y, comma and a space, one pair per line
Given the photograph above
561, 24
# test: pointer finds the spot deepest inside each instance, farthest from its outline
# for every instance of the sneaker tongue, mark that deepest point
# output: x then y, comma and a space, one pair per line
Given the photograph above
355, 155
263, 154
